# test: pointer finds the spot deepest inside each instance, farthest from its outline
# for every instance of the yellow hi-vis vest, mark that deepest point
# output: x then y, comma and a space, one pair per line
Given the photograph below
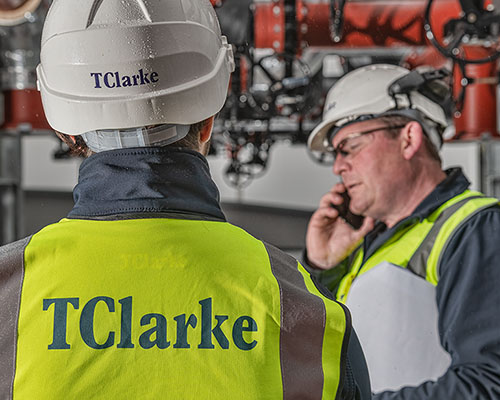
164, 308
419, 246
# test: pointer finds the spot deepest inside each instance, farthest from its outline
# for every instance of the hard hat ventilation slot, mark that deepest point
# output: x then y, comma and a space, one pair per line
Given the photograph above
93, 11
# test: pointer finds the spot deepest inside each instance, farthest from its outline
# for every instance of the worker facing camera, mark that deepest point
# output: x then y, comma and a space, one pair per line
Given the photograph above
418, 272
145, 290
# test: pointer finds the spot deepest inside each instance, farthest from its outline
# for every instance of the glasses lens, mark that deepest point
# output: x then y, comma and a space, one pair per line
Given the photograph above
352, 144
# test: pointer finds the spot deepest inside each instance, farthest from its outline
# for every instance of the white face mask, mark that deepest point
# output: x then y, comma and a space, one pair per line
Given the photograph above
111, 139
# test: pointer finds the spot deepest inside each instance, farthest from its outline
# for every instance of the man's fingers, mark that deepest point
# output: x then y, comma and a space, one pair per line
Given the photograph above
332, 197
326, 200
339, 188
368, 225
326, 214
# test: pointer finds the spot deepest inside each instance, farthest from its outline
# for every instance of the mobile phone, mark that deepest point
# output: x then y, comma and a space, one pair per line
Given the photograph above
352, 219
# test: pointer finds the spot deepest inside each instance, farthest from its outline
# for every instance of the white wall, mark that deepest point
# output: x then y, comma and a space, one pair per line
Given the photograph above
39, 169
293, 180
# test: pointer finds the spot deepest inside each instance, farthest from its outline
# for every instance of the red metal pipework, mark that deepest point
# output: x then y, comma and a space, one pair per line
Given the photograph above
367, 24
9, 5
425, 56
383, 24
24, 107
479, 111
13, 11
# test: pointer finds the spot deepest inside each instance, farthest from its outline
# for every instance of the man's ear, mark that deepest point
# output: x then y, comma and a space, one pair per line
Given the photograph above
206, 131
412, 139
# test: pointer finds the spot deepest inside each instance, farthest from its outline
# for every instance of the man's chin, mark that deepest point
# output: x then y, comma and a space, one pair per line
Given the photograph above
355, 208
358, 205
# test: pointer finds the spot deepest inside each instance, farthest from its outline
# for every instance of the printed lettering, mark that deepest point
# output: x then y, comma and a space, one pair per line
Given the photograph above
206, 327
126, 81
96, 337
112, 80
60, 320
96, 76
117, 77
244, 324
182, 327
87, 323
126, 324
143, 77
106, 80
159, 330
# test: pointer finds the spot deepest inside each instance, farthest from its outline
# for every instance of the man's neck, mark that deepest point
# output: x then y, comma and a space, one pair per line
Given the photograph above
416, 190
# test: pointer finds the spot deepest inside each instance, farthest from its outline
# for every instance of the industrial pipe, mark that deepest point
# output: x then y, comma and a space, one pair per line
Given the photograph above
367, 24
478, 114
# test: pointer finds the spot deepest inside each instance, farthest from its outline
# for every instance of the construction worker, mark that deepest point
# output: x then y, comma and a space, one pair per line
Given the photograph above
420, 272
145, 291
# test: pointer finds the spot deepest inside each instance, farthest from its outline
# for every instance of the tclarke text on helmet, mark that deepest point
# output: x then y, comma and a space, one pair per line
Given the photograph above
154, 331
113, 80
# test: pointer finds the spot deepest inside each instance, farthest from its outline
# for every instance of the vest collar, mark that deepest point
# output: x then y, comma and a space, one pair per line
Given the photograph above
454, 184
146, 180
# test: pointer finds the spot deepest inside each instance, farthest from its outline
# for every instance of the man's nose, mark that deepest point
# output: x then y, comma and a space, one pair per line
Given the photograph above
339, 165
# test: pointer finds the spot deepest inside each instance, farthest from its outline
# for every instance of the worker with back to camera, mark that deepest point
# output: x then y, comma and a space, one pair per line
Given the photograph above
144, 290
420, 273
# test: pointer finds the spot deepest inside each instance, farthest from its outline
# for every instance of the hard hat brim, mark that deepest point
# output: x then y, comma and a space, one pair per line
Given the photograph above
318, 138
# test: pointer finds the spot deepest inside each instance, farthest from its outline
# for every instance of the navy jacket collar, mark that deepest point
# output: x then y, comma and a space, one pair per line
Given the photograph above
454, 184
146, 180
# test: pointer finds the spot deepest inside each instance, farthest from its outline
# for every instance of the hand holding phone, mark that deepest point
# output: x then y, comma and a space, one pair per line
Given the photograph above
328, 239
352, 219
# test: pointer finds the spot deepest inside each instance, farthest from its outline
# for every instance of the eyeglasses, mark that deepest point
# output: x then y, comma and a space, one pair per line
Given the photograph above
356, 141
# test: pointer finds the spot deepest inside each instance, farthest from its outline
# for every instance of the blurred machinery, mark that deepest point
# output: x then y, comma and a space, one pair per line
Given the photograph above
21, 112
288, 54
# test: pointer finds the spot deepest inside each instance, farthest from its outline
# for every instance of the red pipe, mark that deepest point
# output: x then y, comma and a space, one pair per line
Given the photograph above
24, 107
479, 111
9, 5
381, 23
386, 24
425, 56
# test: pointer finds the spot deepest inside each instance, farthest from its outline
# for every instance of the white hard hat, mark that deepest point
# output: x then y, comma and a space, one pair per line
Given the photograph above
119, 65
374, 91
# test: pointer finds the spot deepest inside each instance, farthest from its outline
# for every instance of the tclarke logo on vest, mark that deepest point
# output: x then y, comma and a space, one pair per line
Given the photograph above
113, 80
154, 331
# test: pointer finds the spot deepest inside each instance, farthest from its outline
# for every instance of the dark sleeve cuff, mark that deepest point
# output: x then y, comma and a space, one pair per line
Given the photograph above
312, 268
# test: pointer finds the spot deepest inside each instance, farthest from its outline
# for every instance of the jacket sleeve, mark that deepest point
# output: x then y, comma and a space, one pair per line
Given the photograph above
357, 364
468, 300
329, 278
302, 316
11, 278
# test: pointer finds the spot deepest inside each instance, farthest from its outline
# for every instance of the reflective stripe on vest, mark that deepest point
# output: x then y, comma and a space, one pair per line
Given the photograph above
419, 246
185, 309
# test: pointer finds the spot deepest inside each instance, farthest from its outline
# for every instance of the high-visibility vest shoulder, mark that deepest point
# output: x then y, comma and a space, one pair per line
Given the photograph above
419, 246
169, 308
